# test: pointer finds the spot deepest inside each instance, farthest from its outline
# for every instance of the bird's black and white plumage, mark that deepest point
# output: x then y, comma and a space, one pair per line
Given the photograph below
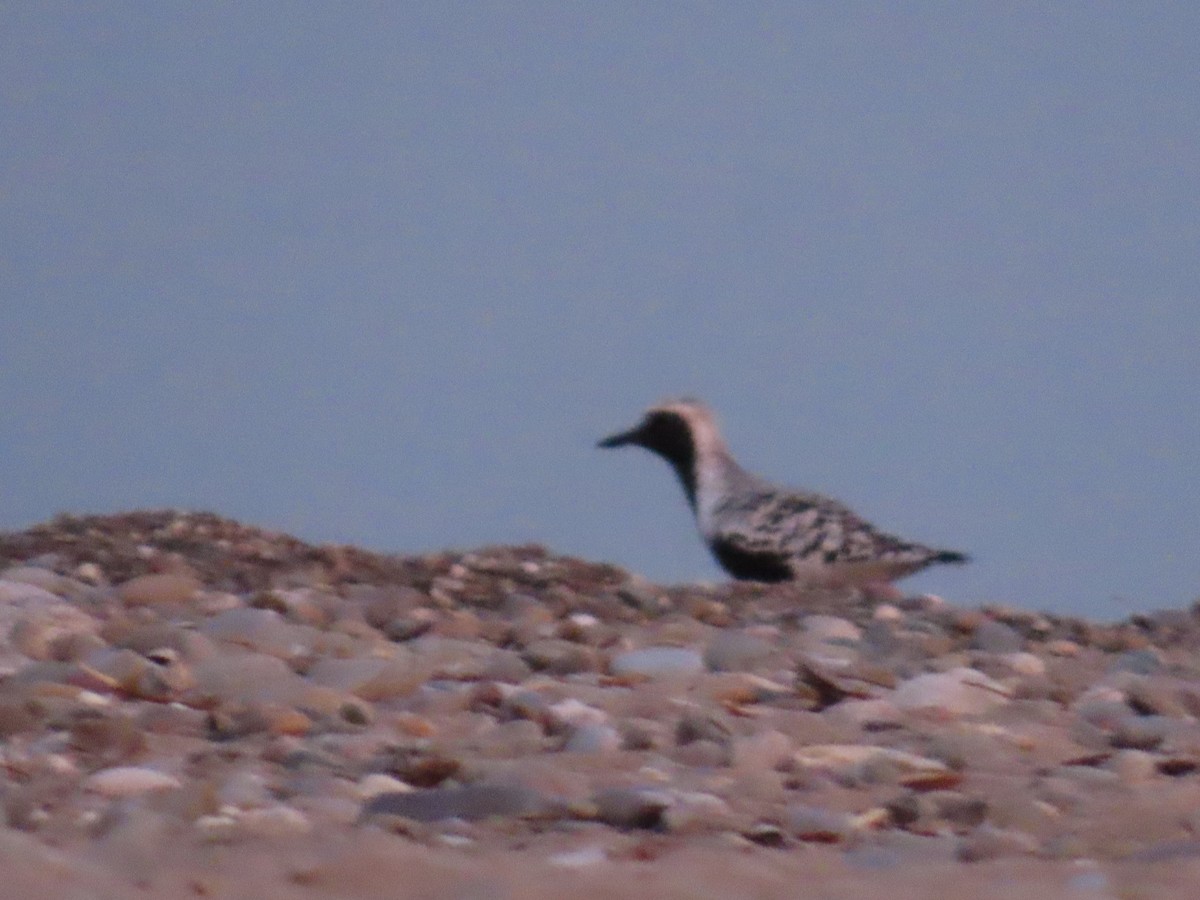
759, 531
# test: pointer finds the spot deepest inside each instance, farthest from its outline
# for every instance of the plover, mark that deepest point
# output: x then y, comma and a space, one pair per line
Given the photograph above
759, 531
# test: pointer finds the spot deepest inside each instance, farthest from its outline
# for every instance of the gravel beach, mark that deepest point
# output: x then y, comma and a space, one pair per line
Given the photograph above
193, 707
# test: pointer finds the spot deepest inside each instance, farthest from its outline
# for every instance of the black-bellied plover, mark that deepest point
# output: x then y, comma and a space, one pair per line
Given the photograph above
759, 531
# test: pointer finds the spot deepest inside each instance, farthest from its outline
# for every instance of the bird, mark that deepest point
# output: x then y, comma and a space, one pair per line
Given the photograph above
760, 531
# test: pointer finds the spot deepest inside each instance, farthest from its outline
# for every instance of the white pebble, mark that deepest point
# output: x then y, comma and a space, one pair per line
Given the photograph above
378, 783
1025, 663
275, 821
577, 859
577, 713
960, 691
128, 781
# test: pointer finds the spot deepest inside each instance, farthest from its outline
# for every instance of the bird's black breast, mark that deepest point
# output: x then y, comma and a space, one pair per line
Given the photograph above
750, 565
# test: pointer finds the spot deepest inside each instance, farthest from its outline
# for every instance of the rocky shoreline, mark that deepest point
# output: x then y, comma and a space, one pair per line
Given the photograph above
190, 706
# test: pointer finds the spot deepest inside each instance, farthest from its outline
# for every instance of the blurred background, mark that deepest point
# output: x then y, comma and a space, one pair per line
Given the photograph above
382, 273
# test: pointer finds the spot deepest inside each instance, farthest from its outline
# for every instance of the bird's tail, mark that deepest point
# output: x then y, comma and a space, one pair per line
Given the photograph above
949, 556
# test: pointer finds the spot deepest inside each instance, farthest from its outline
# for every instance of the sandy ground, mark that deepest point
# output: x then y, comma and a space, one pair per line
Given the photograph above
375, 865
191, 707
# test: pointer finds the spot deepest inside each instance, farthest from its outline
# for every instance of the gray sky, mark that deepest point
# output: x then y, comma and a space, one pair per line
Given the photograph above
382, 273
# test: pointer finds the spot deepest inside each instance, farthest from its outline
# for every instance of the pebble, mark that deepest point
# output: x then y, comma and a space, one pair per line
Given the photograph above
573, 713
762, 750
701, 754
880, 638
702, 726
631, 807
216, 828
1024, 664
248, 677
1133, 766
243, 789
506, 666
690, 812
1103, 706
886, 612
986, 843
1140, 662
160, 588
19, 595
864, 762
378, 783
655, 662
45, 634
961, 692
1167, 852
1022, 811
1062, 647
817, 825
871, 714
560, 657
472, 802
1159, 696
996, 637
371, 679
276, 820
643, 596
644, 734
105, 737
129, 781
830, 629
1089, 881
262, 630
578, 859
1141, 732
593, 739
735, 651
938, 810
43, 578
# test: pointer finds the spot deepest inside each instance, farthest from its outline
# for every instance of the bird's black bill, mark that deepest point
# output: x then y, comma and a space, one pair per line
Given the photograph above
618, 440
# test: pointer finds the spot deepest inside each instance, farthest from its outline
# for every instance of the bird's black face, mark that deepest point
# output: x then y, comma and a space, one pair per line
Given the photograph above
669, 435
666, 433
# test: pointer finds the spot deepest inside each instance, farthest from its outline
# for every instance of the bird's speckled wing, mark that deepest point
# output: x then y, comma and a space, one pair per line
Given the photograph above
804, 527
